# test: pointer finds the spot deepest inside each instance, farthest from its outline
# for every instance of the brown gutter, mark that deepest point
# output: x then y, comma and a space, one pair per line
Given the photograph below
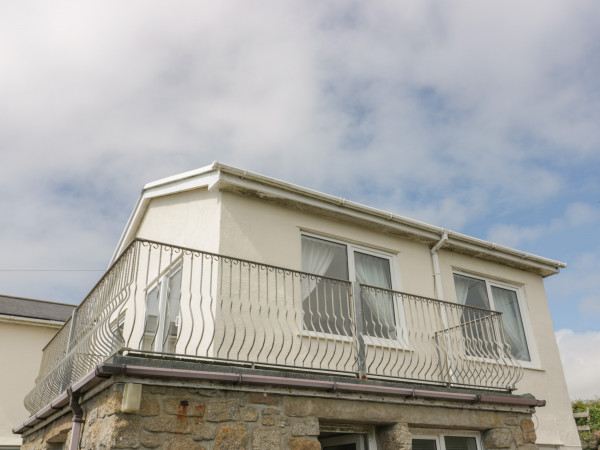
104, 371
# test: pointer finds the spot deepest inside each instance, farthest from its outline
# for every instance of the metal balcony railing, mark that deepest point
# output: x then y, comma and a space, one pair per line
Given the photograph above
158, 299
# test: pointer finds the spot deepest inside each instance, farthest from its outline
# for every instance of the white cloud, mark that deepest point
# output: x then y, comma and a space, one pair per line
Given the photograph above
576, 215
444, 113
581, 362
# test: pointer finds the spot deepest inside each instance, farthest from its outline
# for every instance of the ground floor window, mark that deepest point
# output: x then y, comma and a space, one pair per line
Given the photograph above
444, 441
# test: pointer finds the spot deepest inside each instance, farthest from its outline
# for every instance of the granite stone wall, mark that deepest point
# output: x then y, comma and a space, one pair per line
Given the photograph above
194, 418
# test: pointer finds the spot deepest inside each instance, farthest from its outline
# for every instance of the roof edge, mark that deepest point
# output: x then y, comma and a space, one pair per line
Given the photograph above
226, 176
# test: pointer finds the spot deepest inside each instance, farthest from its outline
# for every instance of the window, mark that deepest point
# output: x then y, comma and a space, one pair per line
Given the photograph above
326, 303
483, 293
162, 313
345, 442
460, 441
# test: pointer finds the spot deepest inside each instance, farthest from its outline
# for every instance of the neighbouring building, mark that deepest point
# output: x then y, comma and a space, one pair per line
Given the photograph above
240, 311
26, 326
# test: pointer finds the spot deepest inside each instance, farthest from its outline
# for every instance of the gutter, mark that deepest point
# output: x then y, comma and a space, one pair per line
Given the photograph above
31, 321
106, 370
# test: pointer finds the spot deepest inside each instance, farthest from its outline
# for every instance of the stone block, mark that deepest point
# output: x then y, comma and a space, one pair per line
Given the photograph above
150, 440
262, 398
204, 432
170, 424
304, 444
223, 411
498, 438
527, 425
111, 404
125, 431
529, 436
269, 421
249, 414
149, 407
511, 420
395, 437
181, 442
267, 439
527, 447
183, 407
270, 411
232, 437
307, 427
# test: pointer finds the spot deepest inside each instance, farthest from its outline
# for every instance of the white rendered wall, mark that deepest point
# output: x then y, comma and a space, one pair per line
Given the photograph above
260, 230
21, 354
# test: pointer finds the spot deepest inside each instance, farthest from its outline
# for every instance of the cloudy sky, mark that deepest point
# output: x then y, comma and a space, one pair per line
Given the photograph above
480, 117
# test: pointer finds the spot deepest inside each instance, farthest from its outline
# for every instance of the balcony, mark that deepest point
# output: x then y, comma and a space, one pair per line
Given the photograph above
162, 301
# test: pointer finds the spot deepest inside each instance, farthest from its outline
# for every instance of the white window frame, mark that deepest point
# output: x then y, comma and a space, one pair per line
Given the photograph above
523, 309
438, 437
400, 322
163, 295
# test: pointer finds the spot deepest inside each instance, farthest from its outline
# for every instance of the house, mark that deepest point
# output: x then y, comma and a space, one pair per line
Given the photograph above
240, 311
26, 326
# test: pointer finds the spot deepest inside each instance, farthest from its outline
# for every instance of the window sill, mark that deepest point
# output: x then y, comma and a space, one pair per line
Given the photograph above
372, 341
326, 336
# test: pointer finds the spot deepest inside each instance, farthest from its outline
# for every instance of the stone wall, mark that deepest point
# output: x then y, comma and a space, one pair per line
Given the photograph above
194, 418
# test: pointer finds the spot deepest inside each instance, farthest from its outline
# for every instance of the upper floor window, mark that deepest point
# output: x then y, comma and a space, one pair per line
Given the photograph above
488, 294
162, 313
326, 305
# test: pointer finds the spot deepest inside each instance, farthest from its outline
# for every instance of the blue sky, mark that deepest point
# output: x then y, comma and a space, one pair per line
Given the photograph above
479, 117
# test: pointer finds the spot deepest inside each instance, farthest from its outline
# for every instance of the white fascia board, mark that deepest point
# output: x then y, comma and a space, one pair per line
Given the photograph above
201, 178
31, 321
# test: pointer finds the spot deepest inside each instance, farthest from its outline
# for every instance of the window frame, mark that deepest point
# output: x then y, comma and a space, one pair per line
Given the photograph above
163, 281
523, 309
400, 323
438, 437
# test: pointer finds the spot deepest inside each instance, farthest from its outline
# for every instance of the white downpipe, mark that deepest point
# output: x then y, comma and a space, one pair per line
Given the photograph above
439, 293
437, 276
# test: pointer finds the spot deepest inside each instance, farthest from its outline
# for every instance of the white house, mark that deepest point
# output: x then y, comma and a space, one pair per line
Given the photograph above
229, 268
26, 326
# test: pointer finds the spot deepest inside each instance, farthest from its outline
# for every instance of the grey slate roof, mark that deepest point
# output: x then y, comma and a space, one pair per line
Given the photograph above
35, 309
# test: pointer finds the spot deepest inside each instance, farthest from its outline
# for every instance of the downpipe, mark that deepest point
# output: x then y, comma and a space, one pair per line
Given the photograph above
437, 276
78, 419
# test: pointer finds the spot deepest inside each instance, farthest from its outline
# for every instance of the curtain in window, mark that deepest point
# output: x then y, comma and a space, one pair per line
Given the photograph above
476, 325
378, 308
325, 303
507, 303
317, 255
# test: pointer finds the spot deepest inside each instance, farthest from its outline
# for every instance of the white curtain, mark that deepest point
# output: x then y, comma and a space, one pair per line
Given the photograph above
507, 303
378, 308
319, 314
316, 256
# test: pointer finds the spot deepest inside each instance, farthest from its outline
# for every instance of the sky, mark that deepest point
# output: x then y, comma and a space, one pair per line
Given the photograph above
479, 117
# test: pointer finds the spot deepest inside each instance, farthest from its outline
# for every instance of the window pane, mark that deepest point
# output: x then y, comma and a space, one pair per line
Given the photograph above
477, 325
172, 312
325, 302
460, 443
507, 303
152, 310
423, 444
378, 307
